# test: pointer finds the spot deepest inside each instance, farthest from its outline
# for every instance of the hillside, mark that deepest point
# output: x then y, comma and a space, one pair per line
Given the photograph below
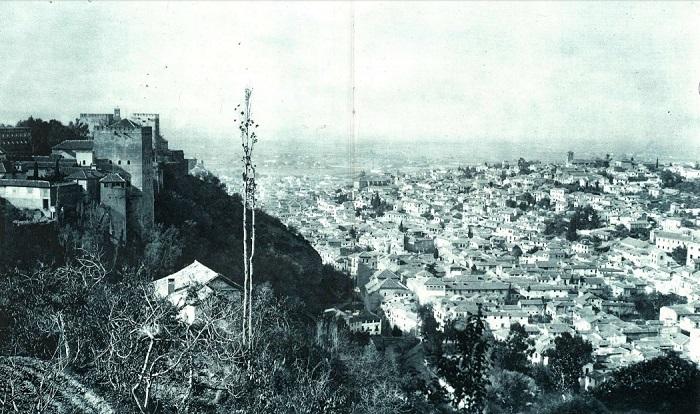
210, 223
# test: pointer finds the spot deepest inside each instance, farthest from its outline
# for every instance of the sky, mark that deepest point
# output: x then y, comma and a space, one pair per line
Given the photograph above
410, 72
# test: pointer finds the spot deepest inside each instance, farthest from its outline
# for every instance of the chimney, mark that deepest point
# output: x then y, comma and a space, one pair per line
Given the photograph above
171, 286
117, 114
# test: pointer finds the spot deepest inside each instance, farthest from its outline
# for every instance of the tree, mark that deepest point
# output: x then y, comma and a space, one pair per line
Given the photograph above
665, 384
523, 166
567, 358
510, 392
513, 353
376, 201
396, 331
45, 135
431, 337
649, 305
544, 203
163, 249
516, 251
669, 179
464, 365
571, 234
584, 218
578, 405
679, 254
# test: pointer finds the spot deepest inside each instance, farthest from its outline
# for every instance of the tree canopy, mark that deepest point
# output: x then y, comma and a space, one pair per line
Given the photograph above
46, 134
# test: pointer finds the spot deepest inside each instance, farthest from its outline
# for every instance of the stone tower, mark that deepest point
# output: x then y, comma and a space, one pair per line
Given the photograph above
113, 195
127, 149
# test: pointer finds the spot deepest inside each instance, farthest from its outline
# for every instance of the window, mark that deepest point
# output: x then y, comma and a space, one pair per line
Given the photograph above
128, 162
45, 204
119, 162
83, 162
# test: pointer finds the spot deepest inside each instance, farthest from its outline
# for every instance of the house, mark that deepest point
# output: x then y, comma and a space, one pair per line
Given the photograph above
79, 150
672, 314
89, 180
357, 320
188, 288
50, 198
382, 286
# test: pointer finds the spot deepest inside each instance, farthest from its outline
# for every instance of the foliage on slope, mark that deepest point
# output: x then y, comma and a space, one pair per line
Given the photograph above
210, 222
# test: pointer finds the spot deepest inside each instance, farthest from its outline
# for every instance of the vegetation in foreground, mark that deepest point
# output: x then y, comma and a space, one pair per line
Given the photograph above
85, 310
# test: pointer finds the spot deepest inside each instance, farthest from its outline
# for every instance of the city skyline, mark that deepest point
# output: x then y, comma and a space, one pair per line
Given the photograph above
442, 72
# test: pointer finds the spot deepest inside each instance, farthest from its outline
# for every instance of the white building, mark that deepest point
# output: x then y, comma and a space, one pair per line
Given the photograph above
189, 287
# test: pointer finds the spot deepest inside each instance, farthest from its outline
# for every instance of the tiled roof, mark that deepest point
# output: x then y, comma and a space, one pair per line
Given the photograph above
391, 284
24, 183
84, 174
113, 178
196, 274
75, 145
384, 274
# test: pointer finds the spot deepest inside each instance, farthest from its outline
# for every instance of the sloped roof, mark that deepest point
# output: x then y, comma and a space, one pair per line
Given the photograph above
424, 273
391, 284
124, 124
24, 183
434, 281
196, 274
113, 178
75, 145
84, 174
384, 274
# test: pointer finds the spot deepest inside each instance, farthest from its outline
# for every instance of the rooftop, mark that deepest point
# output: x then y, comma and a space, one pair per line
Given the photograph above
75, 145
113, 178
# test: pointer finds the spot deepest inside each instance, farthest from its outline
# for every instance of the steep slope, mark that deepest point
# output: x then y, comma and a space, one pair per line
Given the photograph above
210, 221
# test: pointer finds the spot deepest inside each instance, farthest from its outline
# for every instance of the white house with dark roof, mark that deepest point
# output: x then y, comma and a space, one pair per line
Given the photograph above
80, 150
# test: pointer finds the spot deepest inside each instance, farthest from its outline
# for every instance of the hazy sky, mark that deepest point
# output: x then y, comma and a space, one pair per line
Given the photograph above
458, 71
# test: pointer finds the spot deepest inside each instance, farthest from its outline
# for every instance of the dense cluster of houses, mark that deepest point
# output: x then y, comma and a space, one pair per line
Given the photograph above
476, 240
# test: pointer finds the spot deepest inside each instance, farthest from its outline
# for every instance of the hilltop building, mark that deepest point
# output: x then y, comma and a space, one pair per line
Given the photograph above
95, 121
160, 144
121, 167
126, 148
78, 150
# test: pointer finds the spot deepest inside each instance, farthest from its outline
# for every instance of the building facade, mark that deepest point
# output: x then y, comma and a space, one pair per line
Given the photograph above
95, 121
126, 147
49, 198
16, 142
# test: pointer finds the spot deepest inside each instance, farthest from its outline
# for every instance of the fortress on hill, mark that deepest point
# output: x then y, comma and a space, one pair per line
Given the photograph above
120, 166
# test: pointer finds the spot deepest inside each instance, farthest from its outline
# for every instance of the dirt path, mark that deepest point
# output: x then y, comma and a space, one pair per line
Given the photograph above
29, 385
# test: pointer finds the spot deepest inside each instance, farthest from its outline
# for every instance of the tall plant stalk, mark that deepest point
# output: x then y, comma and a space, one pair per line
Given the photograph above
248, 140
